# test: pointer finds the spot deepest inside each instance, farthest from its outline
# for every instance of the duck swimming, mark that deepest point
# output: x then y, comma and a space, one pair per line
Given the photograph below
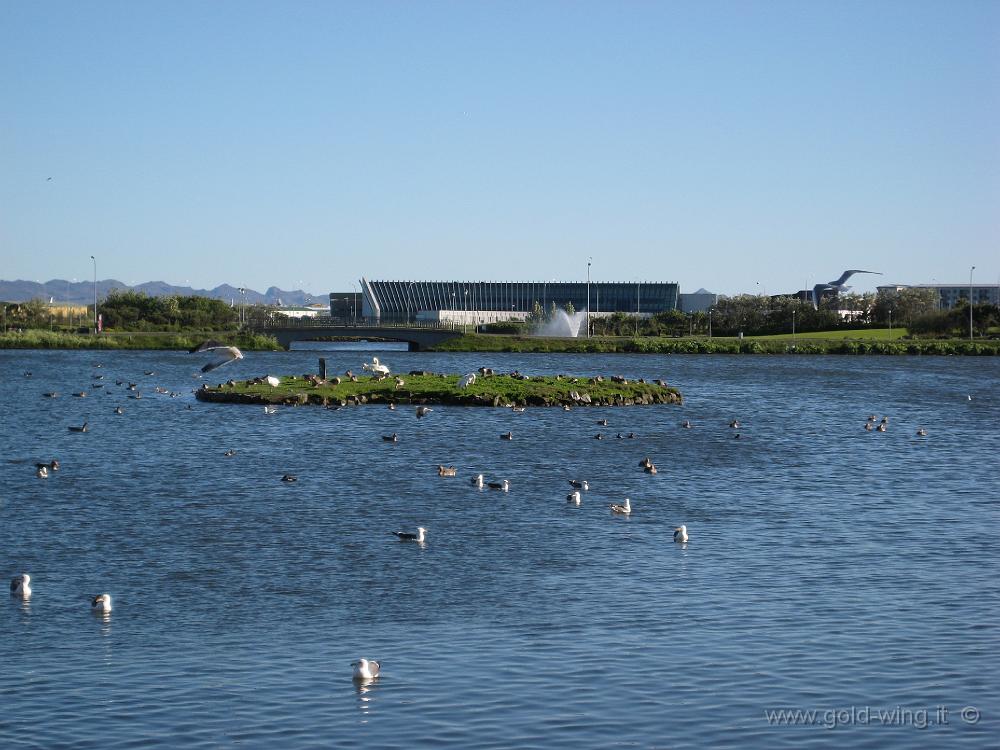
624, 509
19, 586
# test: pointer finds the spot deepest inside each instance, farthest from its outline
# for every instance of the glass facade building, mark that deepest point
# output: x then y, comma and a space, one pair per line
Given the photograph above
403, 300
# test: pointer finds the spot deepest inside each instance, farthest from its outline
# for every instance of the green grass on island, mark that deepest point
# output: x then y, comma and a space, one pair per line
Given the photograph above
489, 390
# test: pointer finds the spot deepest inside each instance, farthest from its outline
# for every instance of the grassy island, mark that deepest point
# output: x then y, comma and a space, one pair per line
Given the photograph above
430, 388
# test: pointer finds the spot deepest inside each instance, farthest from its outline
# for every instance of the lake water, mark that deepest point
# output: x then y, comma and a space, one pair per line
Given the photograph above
829, 569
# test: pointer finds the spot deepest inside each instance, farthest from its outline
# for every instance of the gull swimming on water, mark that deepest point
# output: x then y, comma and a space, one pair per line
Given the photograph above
573, 497
423, 411
406, 536
42, 472
580, 484
101, 604
81, 428
393, 438
478, 480
19, 586
681, 534
365, 669
225, 354
502, 485
624, 510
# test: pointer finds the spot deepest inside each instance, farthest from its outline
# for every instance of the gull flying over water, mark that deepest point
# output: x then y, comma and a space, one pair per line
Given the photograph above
225, 354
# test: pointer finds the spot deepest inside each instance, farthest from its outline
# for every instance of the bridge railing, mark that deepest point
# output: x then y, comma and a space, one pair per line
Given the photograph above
349, 322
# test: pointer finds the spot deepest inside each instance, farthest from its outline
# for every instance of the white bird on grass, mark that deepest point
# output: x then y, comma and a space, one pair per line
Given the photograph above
366, 669
375, 366
226, 354
466, 380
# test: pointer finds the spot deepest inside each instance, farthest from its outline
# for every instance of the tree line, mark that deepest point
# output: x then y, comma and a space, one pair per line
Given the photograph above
126, 310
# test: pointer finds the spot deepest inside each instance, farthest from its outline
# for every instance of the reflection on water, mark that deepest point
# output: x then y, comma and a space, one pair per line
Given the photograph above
366, 691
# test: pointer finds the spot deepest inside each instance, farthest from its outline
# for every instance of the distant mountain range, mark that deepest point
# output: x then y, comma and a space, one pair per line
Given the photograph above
65, 292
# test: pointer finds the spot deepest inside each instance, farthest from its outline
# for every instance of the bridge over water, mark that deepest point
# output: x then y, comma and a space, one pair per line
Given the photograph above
418, 335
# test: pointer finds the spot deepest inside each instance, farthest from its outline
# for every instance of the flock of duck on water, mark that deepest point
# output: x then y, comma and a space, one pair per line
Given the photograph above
20, 585
365, 669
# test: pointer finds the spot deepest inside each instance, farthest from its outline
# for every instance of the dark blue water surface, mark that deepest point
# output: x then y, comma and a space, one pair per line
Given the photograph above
829, 569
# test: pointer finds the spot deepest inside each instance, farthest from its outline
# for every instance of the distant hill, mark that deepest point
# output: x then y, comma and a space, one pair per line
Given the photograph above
82, 292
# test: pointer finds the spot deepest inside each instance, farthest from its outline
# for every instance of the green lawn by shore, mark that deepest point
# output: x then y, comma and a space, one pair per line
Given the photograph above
42, 339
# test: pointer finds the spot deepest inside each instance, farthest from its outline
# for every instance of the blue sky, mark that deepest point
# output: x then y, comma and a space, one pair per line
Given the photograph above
735, 146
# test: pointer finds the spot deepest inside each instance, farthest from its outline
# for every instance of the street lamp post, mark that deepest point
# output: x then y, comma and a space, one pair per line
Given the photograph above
970, 301
354, 300
589, 261
95, 293
890, 324
793, 325
465, 310
710, 324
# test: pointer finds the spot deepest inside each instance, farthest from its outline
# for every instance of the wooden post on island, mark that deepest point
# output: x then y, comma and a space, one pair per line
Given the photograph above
322, 368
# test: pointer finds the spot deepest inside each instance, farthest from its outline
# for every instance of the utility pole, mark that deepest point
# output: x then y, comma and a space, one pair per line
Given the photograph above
970, 301
95, 293
589, 261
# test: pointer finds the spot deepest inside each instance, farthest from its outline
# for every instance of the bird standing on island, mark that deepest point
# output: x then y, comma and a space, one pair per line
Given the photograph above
376, 367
